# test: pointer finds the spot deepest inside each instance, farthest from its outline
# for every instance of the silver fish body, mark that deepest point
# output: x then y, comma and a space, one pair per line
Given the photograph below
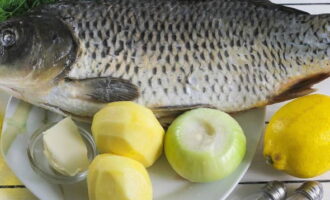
232, 55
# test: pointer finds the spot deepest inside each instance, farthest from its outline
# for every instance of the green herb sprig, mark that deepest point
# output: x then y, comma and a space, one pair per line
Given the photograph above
9, 8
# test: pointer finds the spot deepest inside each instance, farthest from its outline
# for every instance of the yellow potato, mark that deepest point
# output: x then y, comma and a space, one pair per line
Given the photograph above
128, 129
112, 177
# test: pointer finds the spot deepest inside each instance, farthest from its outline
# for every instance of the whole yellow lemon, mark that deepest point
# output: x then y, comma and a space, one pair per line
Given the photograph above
297, 139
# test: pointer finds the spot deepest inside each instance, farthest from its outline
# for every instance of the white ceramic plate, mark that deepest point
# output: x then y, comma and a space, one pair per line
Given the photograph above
23, 119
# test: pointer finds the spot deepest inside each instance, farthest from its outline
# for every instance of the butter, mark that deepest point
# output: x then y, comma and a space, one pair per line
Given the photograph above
65, 148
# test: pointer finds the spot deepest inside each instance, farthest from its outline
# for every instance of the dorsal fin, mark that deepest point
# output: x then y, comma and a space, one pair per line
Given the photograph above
271, 5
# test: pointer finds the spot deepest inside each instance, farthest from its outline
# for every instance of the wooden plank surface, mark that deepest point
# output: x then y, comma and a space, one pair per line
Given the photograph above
258, 174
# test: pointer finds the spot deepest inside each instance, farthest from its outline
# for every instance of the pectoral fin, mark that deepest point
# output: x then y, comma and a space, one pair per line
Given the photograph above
104, 90
83, 98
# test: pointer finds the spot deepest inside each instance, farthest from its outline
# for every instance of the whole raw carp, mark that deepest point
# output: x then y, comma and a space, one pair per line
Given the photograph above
172, 56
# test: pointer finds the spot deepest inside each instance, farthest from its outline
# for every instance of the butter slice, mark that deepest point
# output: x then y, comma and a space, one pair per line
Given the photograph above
65, 148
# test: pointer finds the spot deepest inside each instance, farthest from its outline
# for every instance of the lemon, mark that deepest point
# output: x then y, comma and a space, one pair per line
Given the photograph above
297, 139
112, 177
128, 129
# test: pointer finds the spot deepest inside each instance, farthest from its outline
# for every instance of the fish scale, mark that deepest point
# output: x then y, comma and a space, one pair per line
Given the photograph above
159, 46
229, 54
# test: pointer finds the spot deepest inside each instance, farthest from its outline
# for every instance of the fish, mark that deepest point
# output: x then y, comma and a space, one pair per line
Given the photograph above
75, 57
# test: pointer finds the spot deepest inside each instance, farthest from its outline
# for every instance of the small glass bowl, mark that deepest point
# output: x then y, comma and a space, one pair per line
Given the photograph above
39, 161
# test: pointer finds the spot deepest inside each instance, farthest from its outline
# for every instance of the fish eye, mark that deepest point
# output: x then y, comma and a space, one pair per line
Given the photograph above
8, 38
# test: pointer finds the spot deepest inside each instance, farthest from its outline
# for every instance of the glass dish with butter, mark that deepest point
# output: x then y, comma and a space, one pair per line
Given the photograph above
61, 152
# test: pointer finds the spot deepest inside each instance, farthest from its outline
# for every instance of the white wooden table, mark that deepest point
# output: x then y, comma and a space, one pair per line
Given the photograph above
259, 173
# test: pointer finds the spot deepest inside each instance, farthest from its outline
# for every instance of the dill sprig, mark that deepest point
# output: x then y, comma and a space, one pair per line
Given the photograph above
9, 8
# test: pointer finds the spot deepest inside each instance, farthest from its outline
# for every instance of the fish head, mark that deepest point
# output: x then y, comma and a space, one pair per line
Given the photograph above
34, 49
15, 47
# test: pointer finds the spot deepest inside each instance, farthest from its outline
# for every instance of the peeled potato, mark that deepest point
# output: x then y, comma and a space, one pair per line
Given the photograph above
112, 177
128, 129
